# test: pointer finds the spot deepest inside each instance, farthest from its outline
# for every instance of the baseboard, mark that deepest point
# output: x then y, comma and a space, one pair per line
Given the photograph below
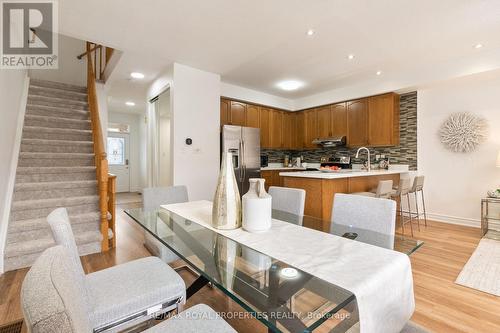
4, 223
468, 222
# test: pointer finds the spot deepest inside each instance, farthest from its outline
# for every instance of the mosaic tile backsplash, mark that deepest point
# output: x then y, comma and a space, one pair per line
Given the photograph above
404, 153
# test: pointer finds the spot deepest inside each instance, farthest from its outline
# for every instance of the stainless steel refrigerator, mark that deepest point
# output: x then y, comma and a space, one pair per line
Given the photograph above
244, 144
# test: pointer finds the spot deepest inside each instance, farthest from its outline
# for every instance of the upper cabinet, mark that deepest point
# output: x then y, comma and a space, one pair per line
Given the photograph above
238, 113
383, 123
357, 123
372, 121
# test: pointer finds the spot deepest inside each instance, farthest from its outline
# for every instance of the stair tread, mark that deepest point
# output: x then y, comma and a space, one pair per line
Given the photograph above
53, 202
57, 99
30, 154
56, 130
30, 170
51, 84
37, 86
38, 245
60, 119
40, 223
56, 142
61, 184
55, 108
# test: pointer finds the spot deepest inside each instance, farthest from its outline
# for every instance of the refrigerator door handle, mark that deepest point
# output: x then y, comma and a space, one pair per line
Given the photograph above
241, 165
243, 162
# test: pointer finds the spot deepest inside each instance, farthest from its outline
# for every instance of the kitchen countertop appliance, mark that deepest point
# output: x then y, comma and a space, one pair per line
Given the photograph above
244, 144
343, 162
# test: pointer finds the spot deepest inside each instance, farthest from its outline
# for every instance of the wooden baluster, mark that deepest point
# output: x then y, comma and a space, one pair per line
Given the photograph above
112, 206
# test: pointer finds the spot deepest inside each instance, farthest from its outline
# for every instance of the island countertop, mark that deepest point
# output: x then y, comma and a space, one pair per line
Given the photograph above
341, 174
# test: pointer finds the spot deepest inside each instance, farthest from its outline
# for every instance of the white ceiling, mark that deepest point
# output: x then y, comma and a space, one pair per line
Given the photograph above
257, 43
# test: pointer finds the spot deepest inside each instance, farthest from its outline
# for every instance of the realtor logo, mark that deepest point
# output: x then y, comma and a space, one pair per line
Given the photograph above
29, 34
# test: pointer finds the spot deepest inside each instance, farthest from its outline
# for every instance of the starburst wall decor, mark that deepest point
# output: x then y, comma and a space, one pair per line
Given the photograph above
463, 132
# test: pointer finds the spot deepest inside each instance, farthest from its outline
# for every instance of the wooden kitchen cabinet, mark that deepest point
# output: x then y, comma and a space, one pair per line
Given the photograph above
338, 116
301, 130
311, 128
272, 178
276, 129
324, 118
357, 123
224, 112
383, 123
237, 113
289, 130
252, 116
265, 127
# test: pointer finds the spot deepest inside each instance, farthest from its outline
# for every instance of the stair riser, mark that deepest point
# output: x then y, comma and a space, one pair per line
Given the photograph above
54, 177
35, 224
67, 104
45, 148
58, 93
56, 193
31, 134
51, 123
28, 235
44, 212
56, 162
58, 113
58, 85
23, 261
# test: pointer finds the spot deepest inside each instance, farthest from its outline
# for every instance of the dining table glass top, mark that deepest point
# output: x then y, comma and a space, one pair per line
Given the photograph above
281, 296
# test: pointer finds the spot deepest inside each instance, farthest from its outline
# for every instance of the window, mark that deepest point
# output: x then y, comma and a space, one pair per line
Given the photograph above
116, 151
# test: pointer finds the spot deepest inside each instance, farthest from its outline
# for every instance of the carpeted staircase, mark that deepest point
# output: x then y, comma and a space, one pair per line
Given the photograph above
55, 169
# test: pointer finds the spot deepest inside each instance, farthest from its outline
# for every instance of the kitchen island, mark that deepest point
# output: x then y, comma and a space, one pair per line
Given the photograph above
321, 187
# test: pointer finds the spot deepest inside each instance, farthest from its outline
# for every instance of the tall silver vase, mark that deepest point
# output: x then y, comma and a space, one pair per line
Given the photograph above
226, 211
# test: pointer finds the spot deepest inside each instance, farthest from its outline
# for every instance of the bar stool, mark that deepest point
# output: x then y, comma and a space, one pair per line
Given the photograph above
403, 189
418, 186
384, 190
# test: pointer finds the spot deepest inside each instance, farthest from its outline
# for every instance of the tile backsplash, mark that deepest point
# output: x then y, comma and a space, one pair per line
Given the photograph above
404, 153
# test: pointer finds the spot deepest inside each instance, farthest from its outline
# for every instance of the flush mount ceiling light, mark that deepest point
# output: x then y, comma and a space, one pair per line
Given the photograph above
137, 75
310, 32
478, 46
350, 56
130, 103
379, 73
290, 85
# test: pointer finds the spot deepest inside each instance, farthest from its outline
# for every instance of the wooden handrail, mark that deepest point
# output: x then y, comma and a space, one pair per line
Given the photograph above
80, 56
101, 161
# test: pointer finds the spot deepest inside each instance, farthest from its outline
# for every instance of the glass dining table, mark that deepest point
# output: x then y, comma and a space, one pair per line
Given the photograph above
282, 297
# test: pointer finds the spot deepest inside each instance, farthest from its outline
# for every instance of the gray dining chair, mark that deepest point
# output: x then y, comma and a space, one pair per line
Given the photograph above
374, 214
123, 295
153, 198
289, 200
53, 300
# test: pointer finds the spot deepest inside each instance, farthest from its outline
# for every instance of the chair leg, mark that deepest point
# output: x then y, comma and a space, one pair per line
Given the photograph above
409, 213
418, 214
401, 214
423, 203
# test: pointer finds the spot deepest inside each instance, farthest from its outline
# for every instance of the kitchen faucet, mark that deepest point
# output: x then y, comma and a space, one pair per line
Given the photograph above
369, 164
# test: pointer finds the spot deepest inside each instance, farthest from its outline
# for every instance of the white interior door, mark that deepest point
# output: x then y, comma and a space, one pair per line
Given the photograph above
118, 159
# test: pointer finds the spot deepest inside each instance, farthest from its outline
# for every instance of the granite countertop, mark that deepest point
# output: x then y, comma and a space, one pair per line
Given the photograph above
341, 174
280, 168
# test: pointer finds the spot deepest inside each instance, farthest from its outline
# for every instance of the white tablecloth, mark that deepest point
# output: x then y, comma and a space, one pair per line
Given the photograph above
380, 279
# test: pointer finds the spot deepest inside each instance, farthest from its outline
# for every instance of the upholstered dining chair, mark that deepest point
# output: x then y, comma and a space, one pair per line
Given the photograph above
53, 300
374, 214
123, 295
288, 200
383, 190
153, 198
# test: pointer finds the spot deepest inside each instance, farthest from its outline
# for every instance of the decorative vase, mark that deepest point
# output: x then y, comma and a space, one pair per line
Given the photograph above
257, 207
226, 210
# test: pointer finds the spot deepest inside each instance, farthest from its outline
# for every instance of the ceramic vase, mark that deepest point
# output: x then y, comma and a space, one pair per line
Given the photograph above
257, 207
226, 210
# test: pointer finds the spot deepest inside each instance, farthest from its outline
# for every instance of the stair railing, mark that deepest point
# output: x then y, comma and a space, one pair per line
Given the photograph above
105, 183
101, 56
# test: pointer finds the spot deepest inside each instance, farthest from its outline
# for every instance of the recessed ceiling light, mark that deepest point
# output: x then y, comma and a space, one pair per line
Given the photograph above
478, 46
130, 103
379, 73
350, 56
290, 85
310, 32
137, 75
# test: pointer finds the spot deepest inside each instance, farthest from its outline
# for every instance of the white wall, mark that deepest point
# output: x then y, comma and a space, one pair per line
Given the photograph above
71, 70
165, 172
258, 97
455, 183
13, 94
135, 122
195, 96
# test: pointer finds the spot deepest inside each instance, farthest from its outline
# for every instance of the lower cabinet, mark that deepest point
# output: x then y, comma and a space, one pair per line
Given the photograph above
272, 178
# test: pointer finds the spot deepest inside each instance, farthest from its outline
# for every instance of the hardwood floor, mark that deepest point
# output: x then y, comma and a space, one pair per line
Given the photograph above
442, 305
